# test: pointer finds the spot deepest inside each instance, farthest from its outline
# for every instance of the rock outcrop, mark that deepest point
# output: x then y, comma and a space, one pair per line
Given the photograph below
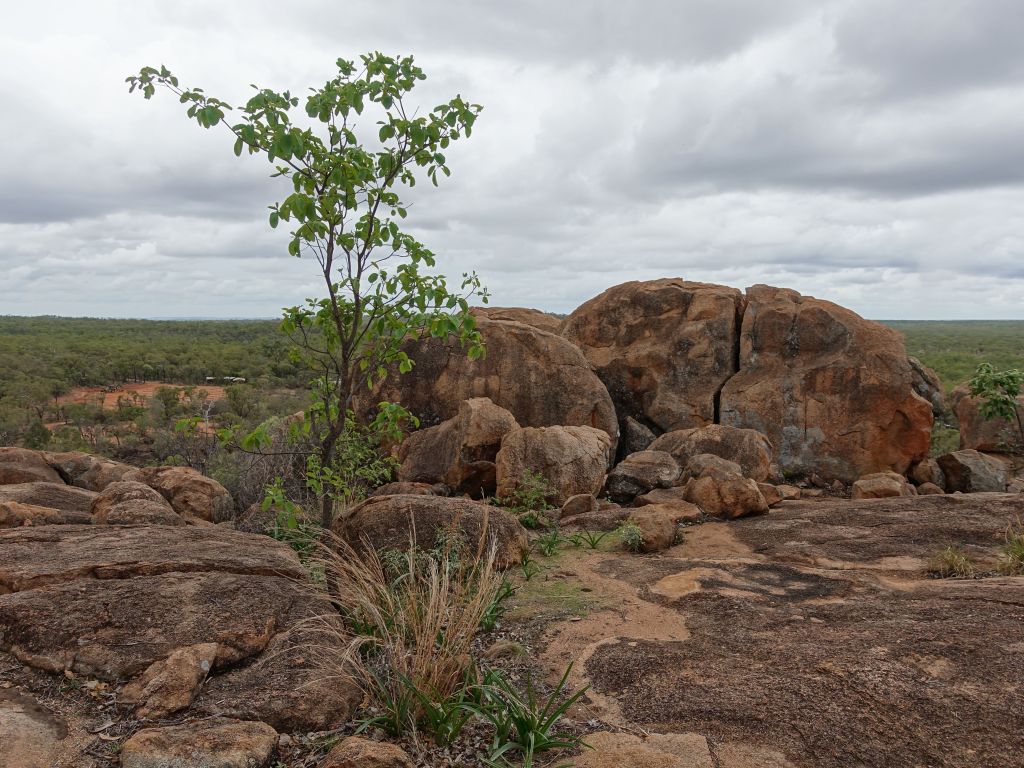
21, 465
128, 503
748, 448
542, 321
53, 495
541, 378
927, 384
832, 391
717, 487
83, 470
395, 522
970, 471
664, 348
459, 452
572, 460
189, 492
981, 434
641, 472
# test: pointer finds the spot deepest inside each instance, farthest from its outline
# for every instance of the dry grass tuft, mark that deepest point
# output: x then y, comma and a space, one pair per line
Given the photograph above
1012, 560
951, 563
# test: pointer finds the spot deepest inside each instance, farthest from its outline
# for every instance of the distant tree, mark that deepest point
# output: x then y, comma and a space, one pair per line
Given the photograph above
37, 436
346, 212
999, 391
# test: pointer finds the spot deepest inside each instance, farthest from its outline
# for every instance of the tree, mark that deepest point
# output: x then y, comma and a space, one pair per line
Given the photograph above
346, 212
999, 391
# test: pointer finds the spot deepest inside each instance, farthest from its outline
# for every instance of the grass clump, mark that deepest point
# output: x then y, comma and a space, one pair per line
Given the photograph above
1011, 561
951, 563
632, 536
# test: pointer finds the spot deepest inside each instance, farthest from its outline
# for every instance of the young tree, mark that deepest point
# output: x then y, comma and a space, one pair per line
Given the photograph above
346, 211
999, 391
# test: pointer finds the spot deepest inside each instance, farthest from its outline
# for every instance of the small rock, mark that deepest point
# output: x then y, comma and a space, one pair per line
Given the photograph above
359, 752
214, 743
929, 489
580, 504
882, 485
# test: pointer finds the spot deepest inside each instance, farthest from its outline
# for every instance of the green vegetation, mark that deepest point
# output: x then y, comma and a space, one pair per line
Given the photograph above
632, 536
529, 501
999, 391
951, 563
954, 349
343, 170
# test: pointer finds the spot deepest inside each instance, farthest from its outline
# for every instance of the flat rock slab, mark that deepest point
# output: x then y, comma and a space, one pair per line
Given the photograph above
30, 735
215, 743
55, 495
42, 556
816, 637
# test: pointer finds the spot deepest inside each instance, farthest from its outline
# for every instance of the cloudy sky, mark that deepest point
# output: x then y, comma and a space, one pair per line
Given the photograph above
866, 151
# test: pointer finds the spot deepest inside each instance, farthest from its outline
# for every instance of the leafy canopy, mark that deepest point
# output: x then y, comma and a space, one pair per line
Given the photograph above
999, 391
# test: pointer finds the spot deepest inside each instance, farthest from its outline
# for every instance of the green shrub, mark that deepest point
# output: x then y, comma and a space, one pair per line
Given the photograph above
529, 500
632, 536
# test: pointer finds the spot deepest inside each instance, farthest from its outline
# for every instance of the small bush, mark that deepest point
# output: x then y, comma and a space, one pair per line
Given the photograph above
951, 563
529, 500
632, 536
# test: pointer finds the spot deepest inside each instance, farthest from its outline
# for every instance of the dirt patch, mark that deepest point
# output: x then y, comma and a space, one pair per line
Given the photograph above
140, 393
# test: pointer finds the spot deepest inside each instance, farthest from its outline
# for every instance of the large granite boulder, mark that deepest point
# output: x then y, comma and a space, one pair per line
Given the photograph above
14, 514
747, 447
664, 348
716, 486
542, 321
572, 460
981, 434
641, 472
459, 452
541, 378
970, 471
53, 495
126, 503
162, 608
21, 465
394, 522
832, 391
189, 492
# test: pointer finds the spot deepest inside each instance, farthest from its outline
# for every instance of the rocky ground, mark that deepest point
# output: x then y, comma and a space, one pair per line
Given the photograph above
812, 636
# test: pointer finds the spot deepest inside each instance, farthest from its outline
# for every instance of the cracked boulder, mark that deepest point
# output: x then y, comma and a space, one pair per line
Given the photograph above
82, 470
127, 503
172, 612
833, 392
572, 460
664, 348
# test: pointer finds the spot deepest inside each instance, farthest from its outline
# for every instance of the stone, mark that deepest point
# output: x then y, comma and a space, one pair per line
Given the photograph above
603, 519
170, 685
659, 523
747, 447
927, 384
654, 750
661, 496
1016, 485
572, 460
14, 514
540, 378
831, 391
882, 485
641, 472
459, 452
21, 465
580, 504
360, 752
82, 470
129, 503
988, 435
663, 348
189, 492
715, 485
970, 471
394, 522
214, 743
709, 464
634, 437
31, 736
929, 489
788, 492
928, 471
772, 496
416, 489
52, 495
542, 321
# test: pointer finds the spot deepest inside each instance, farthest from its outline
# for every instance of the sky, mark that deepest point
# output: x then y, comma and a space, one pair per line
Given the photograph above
869, 152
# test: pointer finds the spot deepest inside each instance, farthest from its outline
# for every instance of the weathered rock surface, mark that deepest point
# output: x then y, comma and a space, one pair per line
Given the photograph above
970, 471
393, 522
171, 606
580, 504
635, 437
415, 489
359, 752
747, 447
573, 460
214, 743
641, 472
930, 489
83, 470
926, 383
541, 378
128, 503
833, 392
21, 465
772, 495
53, 495
14, 514
928, 471
189, 492
663, 348
714, 485
882, 485
459, 452
542, 321
657, 750
659, 523
30, 735
981, 434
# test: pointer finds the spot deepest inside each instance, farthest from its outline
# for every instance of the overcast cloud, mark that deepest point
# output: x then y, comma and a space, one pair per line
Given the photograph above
866, 151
